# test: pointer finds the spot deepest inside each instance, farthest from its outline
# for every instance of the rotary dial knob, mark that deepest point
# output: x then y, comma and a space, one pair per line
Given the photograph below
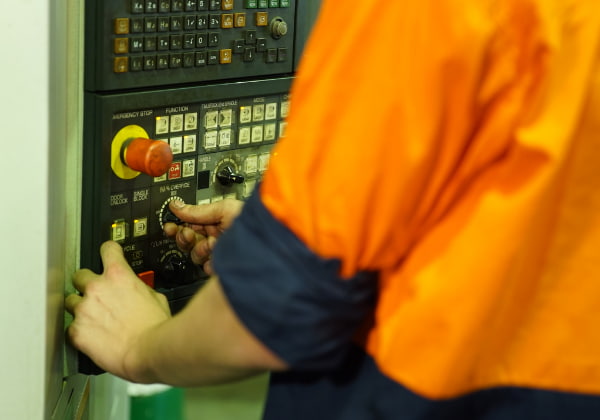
227, 176
278, 28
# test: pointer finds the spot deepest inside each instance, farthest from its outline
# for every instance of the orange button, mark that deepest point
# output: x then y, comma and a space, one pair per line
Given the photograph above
152, 157
121, 26
262, 18
121, 45
227, 20
147, 277
121, 65
225, 56
227, 5
240, 20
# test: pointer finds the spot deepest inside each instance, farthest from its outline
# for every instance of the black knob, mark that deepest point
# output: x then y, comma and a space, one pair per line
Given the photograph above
226, 176
169, 217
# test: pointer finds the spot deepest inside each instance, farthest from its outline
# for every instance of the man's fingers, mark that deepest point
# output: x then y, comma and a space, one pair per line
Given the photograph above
202, 214
81, 278
111, 254
71, 302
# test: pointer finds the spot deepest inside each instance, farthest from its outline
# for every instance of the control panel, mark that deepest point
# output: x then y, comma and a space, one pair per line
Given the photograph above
141, 43
184, 99
198, 144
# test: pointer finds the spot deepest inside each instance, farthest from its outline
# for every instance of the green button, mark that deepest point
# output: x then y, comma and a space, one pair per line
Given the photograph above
251, 4
273, 3
284, 3
262, 4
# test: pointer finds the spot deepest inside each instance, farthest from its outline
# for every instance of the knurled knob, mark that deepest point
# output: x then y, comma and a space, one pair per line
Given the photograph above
278, 28
152, 157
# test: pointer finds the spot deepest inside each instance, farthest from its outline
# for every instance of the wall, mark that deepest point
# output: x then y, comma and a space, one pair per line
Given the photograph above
24, 249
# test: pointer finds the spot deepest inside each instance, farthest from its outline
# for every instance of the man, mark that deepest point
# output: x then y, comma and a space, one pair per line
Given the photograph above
426, 241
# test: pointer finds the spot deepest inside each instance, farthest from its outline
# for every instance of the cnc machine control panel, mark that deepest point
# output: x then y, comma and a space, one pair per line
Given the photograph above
209, 143
140, 43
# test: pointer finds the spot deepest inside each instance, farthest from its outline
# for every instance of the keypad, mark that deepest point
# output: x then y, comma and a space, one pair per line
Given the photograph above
183, 34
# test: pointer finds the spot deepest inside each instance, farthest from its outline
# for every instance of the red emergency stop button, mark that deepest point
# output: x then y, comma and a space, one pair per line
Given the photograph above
147, 277
152, 157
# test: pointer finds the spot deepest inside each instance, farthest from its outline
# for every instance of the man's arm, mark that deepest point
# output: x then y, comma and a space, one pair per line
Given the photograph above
126, 328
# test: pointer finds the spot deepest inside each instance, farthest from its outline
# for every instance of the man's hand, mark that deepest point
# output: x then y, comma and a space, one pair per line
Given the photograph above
113, 313
204, 223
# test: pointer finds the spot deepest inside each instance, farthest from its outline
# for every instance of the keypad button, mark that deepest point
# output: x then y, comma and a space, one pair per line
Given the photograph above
202, 5
262, 18
227, 4
261, 44
213, 39
201, 40
163, 43
213, 57
250, 37
238, 46
189, 41
262, 4
250, 4
137, 25
177, 6
151, 6
162, 61
188, 59
121, 64
137, 6
164, 23
239, 20
214, 4
227, 21
137, 63
273, 3
225, 56
282, 54
121, 45
149, 62
284, 3
202, 22
150, 24
121, 26
271, 56
175, 61
176, 42
189, 22
249, 54
200, 59
214, 21
164, 6
150, 43
137, 45
176, 23
191, 5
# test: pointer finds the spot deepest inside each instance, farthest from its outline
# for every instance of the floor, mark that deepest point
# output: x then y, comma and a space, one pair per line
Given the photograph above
240, 401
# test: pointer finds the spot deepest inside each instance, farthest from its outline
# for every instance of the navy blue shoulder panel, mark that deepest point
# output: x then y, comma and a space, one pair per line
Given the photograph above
359, 391
293, 300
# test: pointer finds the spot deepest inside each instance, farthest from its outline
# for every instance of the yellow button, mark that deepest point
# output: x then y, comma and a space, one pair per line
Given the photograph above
121, 65
227, 20
240, 20
121, 26
227, 5
262, 18
225, 56
121, 45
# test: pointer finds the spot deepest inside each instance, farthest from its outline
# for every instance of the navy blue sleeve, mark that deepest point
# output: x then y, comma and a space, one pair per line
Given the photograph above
291, 299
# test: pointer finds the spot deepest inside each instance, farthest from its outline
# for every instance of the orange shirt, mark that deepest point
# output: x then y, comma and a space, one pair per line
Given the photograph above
454, 146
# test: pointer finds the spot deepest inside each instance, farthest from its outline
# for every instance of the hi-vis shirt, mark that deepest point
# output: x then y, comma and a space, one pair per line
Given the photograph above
435, 202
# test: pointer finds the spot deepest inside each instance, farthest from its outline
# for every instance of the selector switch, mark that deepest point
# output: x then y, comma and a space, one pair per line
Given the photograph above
227, 176
166, 215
